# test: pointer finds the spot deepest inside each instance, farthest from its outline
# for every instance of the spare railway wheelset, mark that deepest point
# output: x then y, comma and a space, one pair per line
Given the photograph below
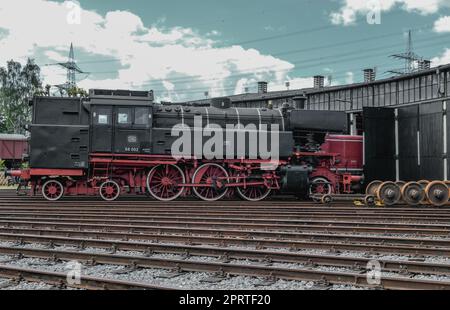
435, 193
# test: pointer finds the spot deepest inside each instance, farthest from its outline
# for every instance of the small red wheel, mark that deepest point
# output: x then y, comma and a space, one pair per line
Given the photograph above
109, 190
52, 190
320, 186
164, 182
214, 177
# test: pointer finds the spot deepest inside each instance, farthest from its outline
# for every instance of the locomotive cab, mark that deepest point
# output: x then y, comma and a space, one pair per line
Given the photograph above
120, 124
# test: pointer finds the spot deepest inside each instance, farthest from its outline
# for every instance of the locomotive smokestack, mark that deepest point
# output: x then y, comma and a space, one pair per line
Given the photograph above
262, 87
319, 81
369, 75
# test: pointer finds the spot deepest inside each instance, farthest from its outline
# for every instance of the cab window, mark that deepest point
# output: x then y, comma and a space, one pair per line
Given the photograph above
124, 116
102, 117
141, 116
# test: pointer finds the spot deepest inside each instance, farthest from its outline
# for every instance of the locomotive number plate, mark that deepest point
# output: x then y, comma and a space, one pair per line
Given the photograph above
131, 149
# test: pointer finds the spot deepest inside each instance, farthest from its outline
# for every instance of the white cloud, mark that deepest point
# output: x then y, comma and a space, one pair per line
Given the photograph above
55, 56
295, 83
169, 86
351, 9
147, 54
350, 78
442, 24
442, 59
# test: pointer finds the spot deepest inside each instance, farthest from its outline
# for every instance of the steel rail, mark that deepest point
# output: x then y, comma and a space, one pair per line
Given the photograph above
223, 213
283, 235
307, 224
310, 260
186, 220
87, 238
59, 279
219, 206
299, 274
334, 215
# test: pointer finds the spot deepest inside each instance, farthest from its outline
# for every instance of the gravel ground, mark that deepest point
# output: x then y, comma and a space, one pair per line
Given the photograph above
205, 281
192, 280
29, 286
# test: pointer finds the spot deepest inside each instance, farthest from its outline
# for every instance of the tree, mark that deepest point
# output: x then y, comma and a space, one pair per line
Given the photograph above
17, 85
77, 92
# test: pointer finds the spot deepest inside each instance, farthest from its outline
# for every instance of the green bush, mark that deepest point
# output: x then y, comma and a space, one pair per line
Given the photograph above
2, 165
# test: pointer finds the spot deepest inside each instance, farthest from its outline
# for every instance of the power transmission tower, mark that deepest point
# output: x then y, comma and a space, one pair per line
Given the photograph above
408, 56
72, 70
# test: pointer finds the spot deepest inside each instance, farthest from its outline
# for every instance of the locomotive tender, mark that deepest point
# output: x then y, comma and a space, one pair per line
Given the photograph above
121, 142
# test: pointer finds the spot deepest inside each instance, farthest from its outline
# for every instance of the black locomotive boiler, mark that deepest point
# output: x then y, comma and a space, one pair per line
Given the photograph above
119, 141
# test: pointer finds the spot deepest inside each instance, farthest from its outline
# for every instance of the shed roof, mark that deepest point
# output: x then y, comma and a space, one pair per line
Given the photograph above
6, 136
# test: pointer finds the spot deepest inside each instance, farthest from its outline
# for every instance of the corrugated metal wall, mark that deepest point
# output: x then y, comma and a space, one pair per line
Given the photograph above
408, 127
407, 143
431, 142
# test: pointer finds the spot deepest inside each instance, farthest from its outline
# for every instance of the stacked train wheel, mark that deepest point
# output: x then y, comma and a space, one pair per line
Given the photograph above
389, 193
371, 189
413, 193
424, 184
423, 192
437, 193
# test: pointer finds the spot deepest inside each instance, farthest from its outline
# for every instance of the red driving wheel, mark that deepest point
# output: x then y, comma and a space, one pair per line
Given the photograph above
253, 192
213, 177
165, 182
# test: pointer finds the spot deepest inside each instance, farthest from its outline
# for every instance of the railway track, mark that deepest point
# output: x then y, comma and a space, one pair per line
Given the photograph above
226, 254
58, 279
17, 235
254, 240
223, 269
155, 231
296, 226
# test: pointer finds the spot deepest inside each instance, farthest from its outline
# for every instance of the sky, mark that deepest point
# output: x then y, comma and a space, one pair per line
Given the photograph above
182, 49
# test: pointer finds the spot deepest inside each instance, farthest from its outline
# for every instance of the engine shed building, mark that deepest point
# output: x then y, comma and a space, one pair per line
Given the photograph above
404, 121
419, 87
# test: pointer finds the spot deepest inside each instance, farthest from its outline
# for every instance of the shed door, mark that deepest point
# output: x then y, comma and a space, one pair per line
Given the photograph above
379, 141
102, 129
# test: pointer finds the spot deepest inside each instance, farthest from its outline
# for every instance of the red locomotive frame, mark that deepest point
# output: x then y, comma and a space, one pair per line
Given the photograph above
335, 169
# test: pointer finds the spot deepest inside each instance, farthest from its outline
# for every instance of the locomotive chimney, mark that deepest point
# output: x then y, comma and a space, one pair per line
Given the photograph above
262, 87
369, 75
300, 102
221, 103
319, 81
424, 64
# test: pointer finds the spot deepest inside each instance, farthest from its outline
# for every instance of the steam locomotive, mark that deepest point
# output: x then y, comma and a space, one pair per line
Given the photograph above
116, 142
